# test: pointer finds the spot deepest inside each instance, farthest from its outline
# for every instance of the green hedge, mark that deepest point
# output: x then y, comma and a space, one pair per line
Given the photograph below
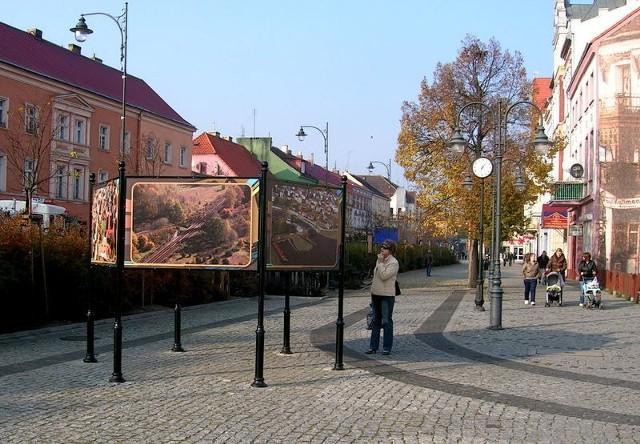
46, 278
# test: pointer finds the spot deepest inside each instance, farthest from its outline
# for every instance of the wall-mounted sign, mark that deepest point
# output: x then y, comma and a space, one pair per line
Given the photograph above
576, 170
555, 216
575, 230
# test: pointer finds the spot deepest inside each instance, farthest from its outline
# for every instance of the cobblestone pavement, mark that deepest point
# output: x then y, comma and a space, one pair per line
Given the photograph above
551, 375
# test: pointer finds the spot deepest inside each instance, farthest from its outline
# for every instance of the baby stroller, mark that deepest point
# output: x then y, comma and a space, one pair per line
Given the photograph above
555, 282
592, 293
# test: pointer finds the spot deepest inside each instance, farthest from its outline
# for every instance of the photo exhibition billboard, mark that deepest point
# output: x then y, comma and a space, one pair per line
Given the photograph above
207, 223
303, 231
192, 223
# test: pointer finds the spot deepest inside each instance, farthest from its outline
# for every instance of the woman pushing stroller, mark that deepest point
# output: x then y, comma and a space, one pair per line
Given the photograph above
557, 263
588, 270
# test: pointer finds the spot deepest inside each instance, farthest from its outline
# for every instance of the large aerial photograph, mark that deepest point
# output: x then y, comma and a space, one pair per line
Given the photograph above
193, 224
305, 224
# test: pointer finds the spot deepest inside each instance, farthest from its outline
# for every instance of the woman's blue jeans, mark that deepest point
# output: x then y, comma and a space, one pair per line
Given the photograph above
530, 289
383, 308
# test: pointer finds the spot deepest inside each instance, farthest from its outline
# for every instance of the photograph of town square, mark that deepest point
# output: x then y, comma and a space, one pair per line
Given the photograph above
192, 223
305, 226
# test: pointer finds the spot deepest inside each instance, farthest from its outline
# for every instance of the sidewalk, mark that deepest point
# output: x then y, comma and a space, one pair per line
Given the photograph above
551, 375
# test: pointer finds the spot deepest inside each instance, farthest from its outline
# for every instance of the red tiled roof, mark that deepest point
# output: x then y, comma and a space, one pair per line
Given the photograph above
26, 51
236, 156
541, 91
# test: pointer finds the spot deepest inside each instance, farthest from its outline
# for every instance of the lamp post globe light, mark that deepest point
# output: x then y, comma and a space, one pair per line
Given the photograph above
81, 31
499, 117
387, 167
325, 135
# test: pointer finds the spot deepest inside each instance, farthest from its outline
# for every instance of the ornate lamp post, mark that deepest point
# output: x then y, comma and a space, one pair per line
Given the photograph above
325, 135
81, 31
387, 167
458, 144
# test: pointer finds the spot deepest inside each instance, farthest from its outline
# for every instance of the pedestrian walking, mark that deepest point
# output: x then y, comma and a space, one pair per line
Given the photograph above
543, 260
428, 262
530, 272
383, 297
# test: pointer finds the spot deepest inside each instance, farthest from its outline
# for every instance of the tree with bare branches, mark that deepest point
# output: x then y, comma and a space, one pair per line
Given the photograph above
28, 145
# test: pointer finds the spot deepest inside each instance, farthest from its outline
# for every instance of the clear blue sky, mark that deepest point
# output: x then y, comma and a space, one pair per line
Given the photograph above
263, 68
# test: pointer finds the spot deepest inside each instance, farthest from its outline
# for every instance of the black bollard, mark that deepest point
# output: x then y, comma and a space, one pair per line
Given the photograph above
177, 346
90, 357
116, 375
286, 344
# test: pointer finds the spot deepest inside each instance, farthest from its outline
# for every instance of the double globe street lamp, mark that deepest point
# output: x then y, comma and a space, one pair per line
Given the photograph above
499, 118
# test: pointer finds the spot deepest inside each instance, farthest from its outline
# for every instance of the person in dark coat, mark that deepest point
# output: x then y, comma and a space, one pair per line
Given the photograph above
543, 260
588, 270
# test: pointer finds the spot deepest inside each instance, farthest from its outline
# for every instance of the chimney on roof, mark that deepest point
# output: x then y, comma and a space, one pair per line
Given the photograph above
215, 133
74, 48
97, 59
229, 138
37, 33
285, 149
311, 159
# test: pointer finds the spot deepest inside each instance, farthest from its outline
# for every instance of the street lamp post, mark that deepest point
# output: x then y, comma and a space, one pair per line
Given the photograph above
499, 117
387, 167
325, 135
81, 31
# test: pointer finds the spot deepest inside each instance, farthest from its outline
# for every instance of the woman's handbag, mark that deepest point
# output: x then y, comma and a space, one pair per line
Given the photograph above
370, 317
398, 289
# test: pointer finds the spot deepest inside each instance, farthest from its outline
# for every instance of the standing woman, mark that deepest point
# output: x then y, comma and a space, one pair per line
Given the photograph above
383, 296
530, 272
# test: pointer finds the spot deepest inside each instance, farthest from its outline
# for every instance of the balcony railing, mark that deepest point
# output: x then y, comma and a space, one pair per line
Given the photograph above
620, 104
568, 191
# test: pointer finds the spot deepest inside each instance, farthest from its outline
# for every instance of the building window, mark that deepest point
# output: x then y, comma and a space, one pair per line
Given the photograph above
4, 112
151, 149
63, 127
60, 182
183, 156
103, 176
167, 152
3, 172
79, 132
104, 138
127, 142
29, 179
30, 119
76, 183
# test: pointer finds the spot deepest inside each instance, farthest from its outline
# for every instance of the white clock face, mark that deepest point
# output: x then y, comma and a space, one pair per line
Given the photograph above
482, 167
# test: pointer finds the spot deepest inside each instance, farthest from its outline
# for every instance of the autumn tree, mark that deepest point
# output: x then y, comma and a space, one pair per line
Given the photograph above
485, 73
